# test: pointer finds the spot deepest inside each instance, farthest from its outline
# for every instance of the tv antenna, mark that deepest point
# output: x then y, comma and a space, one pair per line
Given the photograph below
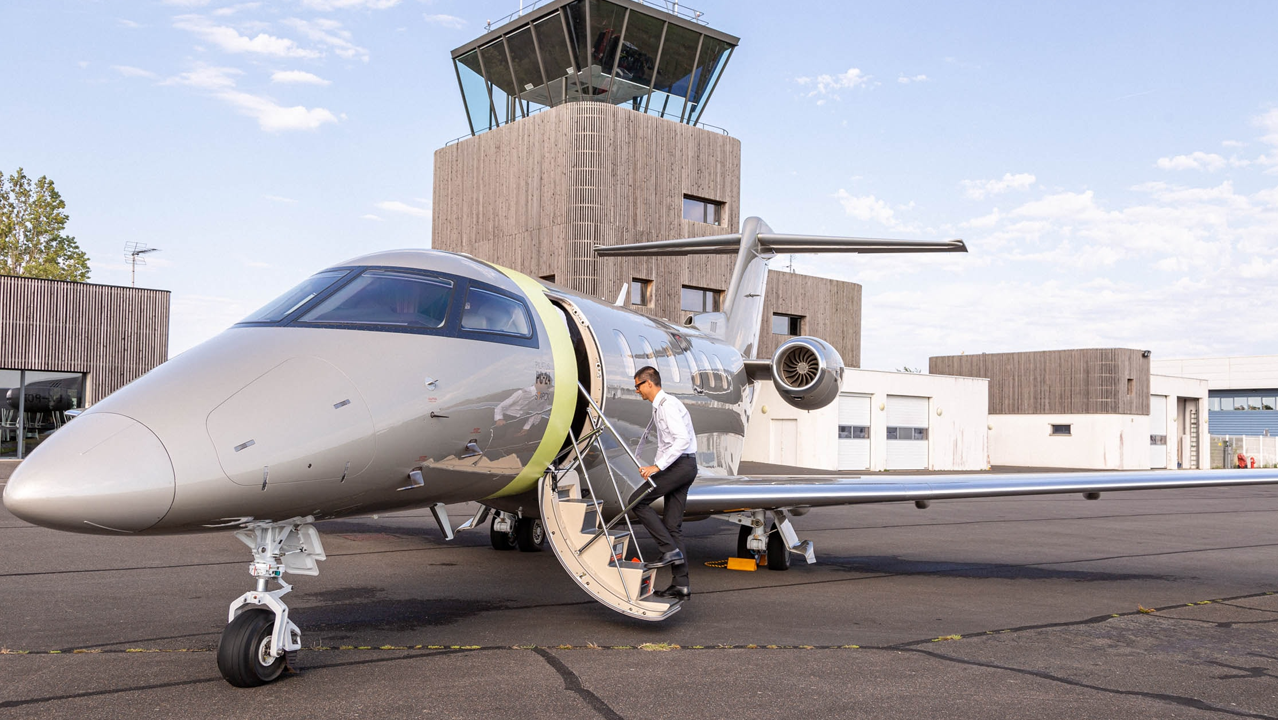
136, 252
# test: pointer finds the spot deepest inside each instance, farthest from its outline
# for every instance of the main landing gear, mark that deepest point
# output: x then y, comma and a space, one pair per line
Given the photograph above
773, 546
508, 531
259, 641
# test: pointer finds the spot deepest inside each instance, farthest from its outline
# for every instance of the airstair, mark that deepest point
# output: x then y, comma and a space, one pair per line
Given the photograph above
592, 545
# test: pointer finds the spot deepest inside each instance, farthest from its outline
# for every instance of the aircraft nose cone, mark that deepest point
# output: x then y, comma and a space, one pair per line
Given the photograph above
100, 473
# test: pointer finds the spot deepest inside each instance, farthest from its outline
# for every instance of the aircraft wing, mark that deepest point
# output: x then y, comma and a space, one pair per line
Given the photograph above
721, 494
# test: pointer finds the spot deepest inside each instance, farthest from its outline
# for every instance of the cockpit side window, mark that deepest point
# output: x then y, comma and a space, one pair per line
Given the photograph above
385, 297
490, 312
281, 306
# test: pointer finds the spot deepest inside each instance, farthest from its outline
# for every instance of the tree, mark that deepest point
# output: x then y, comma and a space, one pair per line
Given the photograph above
32, 220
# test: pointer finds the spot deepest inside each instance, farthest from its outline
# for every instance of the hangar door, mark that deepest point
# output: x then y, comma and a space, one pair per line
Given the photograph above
1157, 431
854, 432
906, 432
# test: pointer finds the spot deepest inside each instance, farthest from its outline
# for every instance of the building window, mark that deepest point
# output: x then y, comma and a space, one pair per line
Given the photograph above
787, 324
641, 292
1061, 430
1131, 386
1157, 439
906, 433
699, 300
854, 432
1253, 403
1213, 404
702, 211
1267, 404
34, 404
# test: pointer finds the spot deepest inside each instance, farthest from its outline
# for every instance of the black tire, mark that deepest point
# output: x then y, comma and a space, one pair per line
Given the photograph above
500, 540
743, 550
530, 535
778, 553
245, 643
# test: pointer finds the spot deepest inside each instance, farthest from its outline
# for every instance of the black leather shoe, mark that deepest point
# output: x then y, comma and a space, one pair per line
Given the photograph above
674, 557
681, 592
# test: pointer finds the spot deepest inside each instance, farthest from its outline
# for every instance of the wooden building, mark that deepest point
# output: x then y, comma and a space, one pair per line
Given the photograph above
66, 345
1087, 381
584, 119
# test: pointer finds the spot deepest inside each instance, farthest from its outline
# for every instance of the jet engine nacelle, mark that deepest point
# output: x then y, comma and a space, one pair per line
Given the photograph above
808, 372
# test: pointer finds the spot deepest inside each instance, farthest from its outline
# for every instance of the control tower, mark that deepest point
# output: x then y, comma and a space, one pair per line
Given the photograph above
586, 129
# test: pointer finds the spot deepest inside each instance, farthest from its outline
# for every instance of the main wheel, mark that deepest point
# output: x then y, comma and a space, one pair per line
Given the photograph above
778, 553
743, 535
244, 655
500, 540
530, 536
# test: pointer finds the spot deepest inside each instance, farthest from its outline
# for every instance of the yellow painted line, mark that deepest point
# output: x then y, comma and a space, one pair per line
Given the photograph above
564, 403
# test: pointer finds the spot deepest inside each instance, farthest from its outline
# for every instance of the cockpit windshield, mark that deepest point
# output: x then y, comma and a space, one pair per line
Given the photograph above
279, 308
384, 297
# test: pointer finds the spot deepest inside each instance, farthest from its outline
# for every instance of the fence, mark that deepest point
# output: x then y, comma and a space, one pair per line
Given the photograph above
1226, 448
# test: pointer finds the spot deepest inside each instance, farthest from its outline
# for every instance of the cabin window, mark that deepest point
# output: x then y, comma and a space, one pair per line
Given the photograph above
491, 312
386, 297
671, 365
701, 210
282, 306
626, 356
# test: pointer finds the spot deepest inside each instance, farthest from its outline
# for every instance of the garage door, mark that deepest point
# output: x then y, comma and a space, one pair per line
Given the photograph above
854, 432
1158, 431
906, 432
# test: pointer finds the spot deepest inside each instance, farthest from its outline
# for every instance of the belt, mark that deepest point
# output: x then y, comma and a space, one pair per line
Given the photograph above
692, 456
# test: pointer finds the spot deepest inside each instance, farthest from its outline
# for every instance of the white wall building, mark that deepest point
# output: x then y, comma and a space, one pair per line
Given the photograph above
881, 421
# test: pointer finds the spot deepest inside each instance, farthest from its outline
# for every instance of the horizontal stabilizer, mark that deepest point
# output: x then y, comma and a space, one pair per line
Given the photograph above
773, 243
710, 495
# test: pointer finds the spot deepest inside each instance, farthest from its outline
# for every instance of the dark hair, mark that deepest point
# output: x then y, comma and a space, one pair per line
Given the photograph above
649, 373
543, 377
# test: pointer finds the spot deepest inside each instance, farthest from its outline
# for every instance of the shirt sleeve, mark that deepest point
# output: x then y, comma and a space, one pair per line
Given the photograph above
672, 422
505, 405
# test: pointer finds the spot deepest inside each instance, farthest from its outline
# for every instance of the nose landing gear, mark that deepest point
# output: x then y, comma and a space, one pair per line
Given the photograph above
259, 641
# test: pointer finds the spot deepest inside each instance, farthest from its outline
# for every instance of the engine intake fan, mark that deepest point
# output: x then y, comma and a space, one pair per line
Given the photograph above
808, 372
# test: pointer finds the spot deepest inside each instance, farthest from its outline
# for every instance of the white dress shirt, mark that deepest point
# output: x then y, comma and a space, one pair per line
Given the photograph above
675, 435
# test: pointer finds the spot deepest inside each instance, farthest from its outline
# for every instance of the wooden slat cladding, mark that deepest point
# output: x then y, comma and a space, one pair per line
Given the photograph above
1088, 381
536, 194
114, 334
831, 310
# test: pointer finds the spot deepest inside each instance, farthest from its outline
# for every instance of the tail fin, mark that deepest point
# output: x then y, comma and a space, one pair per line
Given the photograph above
754, 246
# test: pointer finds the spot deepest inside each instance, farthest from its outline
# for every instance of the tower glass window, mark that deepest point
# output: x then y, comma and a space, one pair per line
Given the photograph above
699, 300
700, 210
661, 62
787, 324
641, 292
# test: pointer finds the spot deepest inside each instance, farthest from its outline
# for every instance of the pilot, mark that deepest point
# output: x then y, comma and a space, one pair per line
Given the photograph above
673, 472
531, 402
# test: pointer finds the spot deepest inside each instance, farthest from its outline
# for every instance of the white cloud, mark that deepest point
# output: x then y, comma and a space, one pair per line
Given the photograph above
906, 80
299, 77
330, 33
980, 189
400, 207
279, 199
448, 21
186, 3
1232, 144
230, 40
1209, 162
984, 221
1269, 123
233, 9
867, 207
270, 115
828, 85
327, 5
130, 71
370, 217
128, 24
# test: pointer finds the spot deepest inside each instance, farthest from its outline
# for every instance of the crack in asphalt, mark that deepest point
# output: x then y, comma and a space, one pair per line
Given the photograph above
1181, 700
573, 684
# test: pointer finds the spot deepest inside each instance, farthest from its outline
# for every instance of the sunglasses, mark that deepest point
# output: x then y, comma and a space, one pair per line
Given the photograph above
641, 384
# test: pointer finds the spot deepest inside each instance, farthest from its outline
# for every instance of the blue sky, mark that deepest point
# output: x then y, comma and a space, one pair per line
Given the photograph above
1113, 167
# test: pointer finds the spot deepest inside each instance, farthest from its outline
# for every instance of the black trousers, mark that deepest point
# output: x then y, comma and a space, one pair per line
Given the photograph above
667, 529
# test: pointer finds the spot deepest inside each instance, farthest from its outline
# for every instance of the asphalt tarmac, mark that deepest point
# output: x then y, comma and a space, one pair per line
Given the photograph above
998, 608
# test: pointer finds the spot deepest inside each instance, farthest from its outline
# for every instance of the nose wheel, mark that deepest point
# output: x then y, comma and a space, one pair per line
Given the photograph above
260, 641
